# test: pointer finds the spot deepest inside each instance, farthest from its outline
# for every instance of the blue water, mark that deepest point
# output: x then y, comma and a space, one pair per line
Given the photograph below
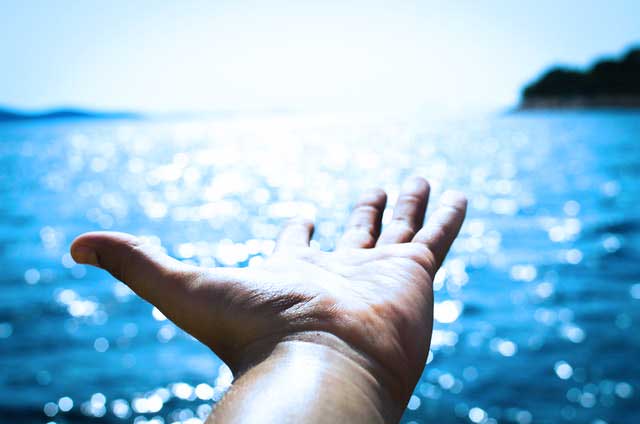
537, 307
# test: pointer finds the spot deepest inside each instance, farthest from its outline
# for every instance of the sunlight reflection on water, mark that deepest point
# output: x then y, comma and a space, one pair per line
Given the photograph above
539, 295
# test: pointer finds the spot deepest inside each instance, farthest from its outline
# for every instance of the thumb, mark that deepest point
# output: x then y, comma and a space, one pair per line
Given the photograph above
147, 270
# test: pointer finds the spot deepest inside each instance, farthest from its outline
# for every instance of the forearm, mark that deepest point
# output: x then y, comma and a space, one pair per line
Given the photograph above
311, 382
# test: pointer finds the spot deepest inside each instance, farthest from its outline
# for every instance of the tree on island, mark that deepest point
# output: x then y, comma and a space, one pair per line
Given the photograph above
608, 83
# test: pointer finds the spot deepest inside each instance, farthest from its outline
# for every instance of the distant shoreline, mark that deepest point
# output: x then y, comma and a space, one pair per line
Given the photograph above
580, 102
8, 115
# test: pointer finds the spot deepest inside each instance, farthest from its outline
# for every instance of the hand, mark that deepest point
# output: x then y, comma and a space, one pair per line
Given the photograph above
370, 300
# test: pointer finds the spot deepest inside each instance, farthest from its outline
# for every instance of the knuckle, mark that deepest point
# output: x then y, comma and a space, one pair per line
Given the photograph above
401, 223
423, 256
132, 249
366, 232
411, 199
400, 230
366, 209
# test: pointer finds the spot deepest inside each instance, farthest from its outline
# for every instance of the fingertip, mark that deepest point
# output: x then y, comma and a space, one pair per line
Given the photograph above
416, 184
84, 249
373, 196
296, 232
455, 199
377, 193
302, 222
84, 255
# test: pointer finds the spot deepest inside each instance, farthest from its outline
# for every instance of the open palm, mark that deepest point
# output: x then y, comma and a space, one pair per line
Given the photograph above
373, 292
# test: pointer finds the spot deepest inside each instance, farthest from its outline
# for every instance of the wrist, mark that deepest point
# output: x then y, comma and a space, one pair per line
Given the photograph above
320, 358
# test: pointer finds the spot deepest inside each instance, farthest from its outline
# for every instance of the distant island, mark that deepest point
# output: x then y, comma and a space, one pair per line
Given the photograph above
8, 115
608, 83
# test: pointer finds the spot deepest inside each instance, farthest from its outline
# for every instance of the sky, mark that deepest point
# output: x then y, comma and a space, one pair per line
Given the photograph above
181, 56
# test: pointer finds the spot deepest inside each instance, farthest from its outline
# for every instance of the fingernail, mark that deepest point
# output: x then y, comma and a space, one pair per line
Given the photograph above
85, 255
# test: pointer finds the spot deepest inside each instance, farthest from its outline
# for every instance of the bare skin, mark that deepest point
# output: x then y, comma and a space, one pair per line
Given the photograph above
311, 336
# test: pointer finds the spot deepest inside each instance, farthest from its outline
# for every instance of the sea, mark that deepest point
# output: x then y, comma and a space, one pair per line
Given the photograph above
537, 314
